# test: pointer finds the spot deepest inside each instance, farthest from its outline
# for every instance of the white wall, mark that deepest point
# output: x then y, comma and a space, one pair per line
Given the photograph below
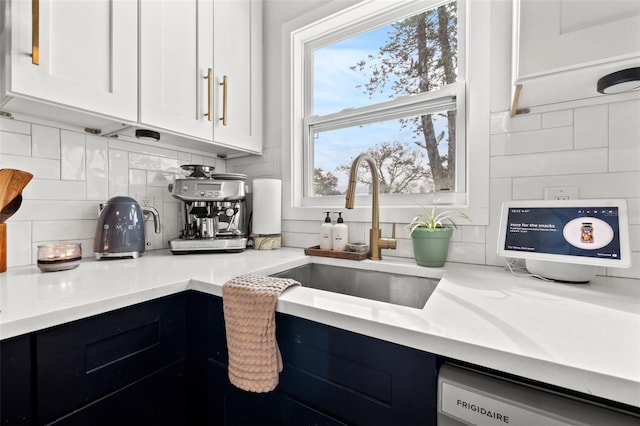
594, 146
73, 173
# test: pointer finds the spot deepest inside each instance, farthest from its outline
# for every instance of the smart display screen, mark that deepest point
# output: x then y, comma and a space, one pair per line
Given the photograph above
592, 232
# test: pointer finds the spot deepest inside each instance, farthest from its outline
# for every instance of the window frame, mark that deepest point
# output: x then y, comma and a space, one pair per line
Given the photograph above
368, 14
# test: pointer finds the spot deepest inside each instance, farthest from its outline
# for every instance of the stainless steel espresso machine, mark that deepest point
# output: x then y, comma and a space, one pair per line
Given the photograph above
214, 211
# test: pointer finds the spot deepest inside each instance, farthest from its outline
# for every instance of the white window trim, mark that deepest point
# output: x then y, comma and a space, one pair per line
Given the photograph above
476, 95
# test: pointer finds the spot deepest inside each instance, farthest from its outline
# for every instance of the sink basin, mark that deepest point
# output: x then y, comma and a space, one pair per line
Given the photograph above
405, 290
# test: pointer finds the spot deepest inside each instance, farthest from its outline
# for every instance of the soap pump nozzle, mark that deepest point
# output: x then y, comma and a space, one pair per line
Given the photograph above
340, 219
328, 218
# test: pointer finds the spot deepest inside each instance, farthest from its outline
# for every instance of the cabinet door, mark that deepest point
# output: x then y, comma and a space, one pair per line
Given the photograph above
330, 377
176, 53
156, 400
562, 47
87, 54
238, 59
559, 35
354, 378
15, 381
83, 361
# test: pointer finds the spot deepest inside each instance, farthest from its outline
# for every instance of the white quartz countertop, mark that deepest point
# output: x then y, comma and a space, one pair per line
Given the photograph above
582, 337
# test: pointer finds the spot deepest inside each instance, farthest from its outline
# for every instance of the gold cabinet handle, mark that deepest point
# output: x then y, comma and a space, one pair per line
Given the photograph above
35, 32
224, 100
209, 78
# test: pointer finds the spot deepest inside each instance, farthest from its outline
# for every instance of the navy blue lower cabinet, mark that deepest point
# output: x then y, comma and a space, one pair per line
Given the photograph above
354, 378
84, 361
158, 399
331, 377
164, 362
15, 381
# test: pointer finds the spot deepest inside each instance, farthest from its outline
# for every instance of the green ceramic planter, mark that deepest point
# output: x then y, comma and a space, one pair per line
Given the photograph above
431, 246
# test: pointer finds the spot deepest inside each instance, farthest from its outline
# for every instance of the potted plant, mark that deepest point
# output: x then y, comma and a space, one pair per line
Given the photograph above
430, 235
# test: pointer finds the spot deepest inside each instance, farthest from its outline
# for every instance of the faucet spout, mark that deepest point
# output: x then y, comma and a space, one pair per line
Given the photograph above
376, 242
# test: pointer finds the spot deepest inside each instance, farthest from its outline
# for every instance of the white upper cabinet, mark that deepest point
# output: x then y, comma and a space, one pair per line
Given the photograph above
78, 54
562, 47
237, 65
201, 70
176, 56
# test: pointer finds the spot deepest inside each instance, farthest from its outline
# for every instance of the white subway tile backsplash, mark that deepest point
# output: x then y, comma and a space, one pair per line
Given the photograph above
633, 210
633, 272
267, 155
186, 157
303, 226
599, 185
247, 160
557, 119
74, 172
473, 234
72, 155
139, 148
36, 210
152, 162
137, 177
500, 191
294, 239
634, 237
560, 163
49, 189
358, 231
504, 123
40, 168
18, 242
160, 179
63, 230
405, 248
97, 168
15, 143
624, 136
254, 170
591, 127
118, 172
171, 221
45, 141
466, 253
15, 126
528, 153
215, 162
277, 163
197, 159
137, 184
545, 140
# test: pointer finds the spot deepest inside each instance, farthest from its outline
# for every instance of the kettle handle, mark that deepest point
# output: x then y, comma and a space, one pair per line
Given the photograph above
156, 217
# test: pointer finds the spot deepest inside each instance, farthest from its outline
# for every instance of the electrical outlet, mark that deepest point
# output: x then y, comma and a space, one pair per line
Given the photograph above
146, 201
561, 193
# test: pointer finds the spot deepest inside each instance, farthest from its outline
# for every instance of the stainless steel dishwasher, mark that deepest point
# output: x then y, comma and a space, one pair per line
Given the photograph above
469, 397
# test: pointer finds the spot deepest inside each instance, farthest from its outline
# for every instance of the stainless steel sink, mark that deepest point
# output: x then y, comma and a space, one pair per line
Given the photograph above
405, 290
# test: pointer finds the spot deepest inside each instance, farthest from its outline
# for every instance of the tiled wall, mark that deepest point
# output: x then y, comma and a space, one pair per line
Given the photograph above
73, 173
594, 148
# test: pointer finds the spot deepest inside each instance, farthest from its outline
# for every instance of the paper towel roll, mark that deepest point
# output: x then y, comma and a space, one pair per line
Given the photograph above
267, 206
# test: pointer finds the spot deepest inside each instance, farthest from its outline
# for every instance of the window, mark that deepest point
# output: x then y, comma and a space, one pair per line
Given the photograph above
388, 78
355, 90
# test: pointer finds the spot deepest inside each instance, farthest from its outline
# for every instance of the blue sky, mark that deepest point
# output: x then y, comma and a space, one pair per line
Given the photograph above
335, 84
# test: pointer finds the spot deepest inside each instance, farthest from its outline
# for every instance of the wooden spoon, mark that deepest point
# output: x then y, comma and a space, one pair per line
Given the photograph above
10, 208
12, 182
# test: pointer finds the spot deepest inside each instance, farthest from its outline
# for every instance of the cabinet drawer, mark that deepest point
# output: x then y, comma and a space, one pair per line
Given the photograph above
84, 360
